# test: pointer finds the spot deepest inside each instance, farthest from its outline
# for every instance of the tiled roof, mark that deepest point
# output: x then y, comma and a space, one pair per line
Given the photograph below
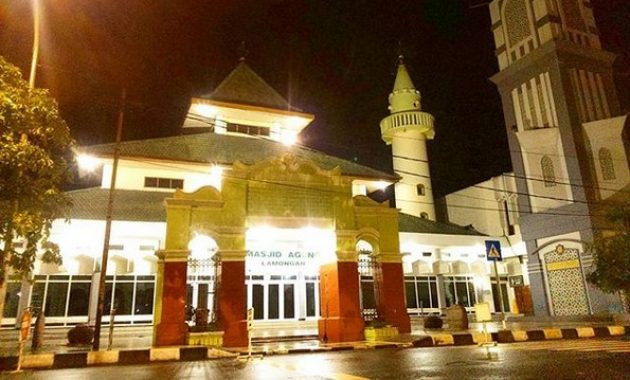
244, 86
132, 205
148, 206
408, 223
226, 149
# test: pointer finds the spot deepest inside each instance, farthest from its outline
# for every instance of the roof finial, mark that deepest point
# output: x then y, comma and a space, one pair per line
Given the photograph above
401, 57
242, 51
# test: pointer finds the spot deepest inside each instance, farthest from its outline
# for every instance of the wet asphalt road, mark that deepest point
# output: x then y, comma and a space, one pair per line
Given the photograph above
513, 361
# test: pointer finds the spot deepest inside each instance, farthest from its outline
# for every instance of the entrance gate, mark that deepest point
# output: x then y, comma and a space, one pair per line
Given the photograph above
284, 192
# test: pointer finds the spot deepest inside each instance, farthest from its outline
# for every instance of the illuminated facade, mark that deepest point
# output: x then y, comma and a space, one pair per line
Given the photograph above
232, 215
568, 143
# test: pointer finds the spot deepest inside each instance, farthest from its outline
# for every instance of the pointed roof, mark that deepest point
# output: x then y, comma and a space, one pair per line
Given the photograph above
244, 86
404, 96
403, 80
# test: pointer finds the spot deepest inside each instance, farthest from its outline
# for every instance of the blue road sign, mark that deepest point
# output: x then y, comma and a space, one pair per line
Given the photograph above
493, 250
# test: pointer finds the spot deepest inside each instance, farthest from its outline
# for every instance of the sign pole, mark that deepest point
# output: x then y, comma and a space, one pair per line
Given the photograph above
496, 274
493, 253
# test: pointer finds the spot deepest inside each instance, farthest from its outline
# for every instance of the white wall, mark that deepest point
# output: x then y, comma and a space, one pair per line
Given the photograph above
80, 239
482, 205
131, 174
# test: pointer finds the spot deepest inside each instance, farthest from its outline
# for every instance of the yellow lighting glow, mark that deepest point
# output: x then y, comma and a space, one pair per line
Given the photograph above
382, 185
295, 121
202, 247
206, 110
288, 137
216, 176
87, 162
315, 239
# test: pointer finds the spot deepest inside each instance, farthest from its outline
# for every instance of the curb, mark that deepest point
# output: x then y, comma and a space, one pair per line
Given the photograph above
125, 357
516, 336
194, 353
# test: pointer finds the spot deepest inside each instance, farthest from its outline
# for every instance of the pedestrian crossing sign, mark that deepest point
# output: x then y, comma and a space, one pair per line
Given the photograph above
493, 250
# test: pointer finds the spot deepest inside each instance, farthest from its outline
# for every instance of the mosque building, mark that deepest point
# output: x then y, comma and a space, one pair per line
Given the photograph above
232, 214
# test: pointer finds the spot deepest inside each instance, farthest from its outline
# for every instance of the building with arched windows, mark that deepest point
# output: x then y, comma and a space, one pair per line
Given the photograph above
568, 143
232, 215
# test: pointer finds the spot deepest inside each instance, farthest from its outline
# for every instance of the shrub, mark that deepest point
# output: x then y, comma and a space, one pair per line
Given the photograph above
433, 322
80, 334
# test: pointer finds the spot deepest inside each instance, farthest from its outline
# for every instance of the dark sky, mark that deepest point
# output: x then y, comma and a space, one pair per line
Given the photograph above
334, 59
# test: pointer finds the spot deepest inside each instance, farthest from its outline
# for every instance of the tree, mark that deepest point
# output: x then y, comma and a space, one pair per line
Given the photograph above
611, 256
36, 161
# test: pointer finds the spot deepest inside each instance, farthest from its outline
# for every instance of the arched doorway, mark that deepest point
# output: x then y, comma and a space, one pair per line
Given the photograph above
202, 280
367, 269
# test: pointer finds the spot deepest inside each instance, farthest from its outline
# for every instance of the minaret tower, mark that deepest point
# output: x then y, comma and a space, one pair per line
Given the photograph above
407, 128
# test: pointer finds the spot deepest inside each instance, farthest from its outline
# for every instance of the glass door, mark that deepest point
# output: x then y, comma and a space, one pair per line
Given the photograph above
273, 298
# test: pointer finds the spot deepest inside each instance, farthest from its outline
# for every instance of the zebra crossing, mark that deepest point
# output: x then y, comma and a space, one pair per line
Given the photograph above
594, 345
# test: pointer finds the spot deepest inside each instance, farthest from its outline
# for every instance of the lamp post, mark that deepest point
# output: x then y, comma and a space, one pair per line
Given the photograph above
36, 27
108, 226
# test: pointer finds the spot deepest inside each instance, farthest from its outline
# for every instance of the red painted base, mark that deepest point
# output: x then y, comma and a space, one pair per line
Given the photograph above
172, 330
232, 313
335, 329
391, 298
339, 302
171, 334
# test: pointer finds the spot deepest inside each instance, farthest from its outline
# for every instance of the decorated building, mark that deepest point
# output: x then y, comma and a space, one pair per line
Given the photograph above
232, 215
568, 142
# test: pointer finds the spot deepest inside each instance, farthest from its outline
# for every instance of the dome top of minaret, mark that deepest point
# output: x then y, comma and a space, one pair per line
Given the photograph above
404, 96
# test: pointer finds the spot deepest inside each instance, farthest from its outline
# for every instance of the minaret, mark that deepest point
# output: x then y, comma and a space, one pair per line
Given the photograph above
407, 128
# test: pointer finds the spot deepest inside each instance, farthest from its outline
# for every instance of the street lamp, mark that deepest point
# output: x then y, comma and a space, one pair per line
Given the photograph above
36, 27
87, 162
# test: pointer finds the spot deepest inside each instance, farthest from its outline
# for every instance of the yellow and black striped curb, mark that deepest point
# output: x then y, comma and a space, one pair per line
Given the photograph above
513, 336
192, 353
94, 358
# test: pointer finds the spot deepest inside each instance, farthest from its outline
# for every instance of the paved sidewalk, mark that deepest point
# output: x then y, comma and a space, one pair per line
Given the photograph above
265, 340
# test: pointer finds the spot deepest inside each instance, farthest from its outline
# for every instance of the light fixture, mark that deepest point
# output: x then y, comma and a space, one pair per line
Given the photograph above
87, 162
202, 247
206, 110
216, 176
295, 122
288, 137
382, 185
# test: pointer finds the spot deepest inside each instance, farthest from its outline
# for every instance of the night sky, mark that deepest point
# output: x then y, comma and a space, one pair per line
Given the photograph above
335, 59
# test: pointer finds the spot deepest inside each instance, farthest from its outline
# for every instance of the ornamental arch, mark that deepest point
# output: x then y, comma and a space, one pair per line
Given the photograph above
293, 197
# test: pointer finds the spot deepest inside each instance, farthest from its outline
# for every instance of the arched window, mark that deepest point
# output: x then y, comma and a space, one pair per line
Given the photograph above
549, 176
424, 215
420, 190
606, 164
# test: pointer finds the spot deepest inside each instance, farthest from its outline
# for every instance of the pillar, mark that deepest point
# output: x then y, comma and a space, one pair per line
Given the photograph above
93, 302
341, 319
390, 285
170, 326
232, 299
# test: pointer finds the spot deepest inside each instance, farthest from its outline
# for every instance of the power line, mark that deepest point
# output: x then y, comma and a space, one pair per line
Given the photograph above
344, 193
517, 176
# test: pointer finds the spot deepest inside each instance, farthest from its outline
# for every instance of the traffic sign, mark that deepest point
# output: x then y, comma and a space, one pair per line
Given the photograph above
493, 250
